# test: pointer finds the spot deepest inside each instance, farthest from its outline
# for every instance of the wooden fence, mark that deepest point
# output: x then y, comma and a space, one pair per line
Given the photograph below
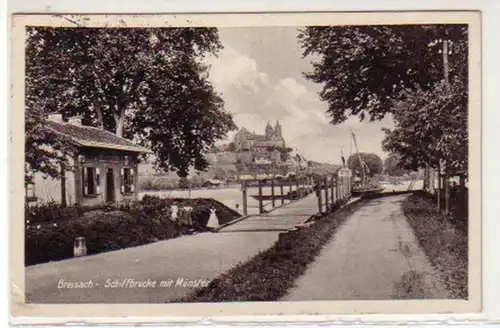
330, 189
276, 192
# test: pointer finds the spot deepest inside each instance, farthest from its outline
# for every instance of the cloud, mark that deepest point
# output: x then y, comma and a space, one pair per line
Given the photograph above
254, 98
231, 69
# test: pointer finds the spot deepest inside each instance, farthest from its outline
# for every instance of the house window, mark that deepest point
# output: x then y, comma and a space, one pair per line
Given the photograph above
127, 180
90, 178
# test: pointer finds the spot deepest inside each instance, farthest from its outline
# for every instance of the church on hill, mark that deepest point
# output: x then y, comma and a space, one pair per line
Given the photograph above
245, 140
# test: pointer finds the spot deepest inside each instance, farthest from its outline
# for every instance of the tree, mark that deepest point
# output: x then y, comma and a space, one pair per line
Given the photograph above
364, 69
150, 84
431, 128
183, 183
371, 71
373, 162
393, 165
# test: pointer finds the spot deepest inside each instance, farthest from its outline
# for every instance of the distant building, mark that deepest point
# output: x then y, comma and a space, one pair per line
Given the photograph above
212, 183
262, 161
104, 167
273, 137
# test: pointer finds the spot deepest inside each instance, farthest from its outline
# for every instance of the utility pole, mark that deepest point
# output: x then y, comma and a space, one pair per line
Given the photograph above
445, 62
63, 184
359, 158
446, 179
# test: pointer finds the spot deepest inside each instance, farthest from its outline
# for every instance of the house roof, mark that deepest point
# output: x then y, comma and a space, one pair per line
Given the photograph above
243, 131
88, 136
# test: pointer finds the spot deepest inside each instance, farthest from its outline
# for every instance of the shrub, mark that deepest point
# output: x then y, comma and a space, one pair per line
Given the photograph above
51, 229
51, 212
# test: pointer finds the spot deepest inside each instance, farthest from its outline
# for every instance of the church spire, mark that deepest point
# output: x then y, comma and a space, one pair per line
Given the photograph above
277, 128
269, 130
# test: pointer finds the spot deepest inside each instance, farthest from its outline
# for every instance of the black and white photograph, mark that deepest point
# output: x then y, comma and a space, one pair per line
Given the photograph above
209, 162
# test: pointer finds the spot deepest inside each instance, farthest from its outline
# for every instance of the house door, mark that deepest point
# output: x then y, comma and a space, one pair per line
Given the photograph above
110, 186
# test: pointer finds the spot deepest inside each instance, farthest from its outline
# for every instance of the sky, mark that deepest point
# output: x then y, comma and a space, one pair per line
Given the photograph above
259, 74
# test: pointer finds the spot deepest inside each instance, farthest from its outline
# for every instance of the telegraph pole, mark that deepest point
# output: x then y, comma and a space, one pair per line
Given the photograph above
445, 51
446, 179
445, 62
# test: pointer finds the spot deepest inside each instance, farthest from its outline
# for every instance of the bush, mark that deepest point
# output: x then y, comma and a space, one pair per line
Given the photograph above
50, 212
157, 183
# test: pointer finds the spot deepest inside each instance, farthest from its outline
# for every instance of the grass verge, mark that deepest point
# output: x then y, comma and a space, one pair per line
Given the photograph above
271, 273
445, 245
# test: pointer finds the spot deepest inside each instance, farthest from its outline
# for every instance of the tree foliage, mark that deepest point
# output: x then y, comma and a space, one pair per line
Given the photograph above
373, 161
372, 71
430, 127
149, 84
394, 166
363, 69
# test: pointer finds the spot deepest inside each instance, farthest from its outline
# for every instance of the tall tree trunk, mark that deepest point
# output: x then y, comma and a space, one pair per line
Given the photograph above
98, 111
427, 178
462, 188
63, 185
120, 122
438, 193
447, 194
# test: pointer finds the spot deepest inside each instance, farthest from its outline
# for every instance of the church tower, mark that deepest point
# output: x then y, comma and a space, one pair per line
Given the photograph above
277, 129
269, 131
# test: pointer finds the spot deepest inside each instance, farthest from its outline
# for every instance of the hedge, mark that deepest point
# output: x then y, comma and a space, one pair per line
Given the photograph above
51, 229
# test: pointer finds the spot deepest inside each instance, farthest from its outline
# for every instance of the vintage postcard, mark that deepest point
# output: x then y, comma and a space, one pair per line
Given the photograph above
246, 164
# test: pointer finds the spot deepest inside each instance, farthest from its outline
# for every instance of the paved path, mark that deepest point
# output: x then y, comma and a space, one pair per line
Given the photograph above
280, 219
192, 258
196, 257
373, 256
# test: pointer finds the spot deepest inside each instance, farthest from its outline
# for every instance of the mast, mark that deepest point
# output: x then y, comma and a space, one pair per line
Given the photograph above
361, 163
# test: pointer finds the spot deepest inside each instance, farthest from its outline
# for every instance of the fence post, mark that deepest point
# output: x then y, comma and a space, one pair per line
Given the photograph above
327, 205
261, 204
290, 195
332, 191
318, 194
341, 185
282, 193
272, 193
244, 192
297, 186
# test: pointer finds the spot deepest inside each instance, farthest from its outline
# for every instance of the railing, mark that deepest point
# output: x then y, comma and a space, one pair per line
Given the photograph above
275, 192
330, 189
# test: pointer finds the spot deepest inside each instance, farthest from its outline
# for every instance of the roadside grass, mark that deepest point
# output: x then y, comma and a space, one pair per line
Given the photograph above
445, 244
271, 273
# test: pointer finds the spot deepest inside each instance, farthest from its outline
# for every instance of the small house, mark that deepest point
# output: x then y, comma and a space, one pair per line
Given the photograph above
103, 169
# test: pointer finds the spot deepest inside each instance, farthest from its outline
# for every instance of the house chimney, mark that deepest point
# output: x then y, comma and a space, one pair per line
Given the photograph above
55, 117
75, 120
